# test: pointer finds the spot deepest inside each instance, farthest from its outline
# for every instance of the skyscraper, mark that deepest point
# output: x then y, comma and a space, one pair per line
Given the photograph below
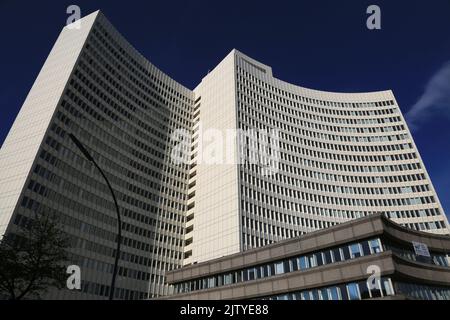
262, 160
122, 108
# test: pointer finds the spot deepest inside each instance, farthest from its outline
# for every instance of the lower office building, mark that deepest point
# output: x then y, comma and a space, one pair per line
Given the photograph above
331, 264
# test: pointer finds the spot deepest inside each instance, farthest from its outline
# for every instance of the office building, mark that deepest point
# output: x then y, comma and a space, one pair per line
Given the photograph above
300, 160
366, 258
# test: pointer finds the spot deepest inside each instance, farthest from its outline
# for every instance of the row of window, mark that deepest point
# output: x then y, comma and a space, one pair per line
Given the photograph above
256, 234
250, 100
288, 171
293, 182
351, 291
422, 292
287, 203
307, 128
103, 291
292, 264
246, 123
442, 260
243, 75
271, 112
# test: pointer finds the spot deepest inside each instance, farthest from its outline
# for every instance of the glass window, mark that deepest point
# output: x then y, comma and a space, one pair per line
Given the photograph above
365, 248
238, 276
312, 261
227, 279
271, 269
376, 292
211, 282
306, 295
323, 294
266, 270
337, 255
279, 268
283, 297
303, 263
319, 258
387, 288
258, 273
333, 293
251, 274
327, 257
442, 260
355, 250
315, 295
364, 291
297, 296
345, 253
293, 264
375, 246
286, 266
353, 291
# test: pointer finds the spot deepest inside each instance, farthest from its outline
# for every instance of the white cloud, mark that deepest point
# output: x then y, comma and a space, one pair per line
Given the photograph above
434, 101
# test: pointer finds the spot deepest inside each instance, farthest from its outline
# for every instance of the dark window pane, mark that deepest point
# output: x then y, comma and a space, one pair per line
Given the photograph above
272, 269
315, 295
365, 248
306, 296
327, 257
337, 255
346, 253
238, 276
286, 266
294, 264
251, 274
319, 258
364, 290
246, 275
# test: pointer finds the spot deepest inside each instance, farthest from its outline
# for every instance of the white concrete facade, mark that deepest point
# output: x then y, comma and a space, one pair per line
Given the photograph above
21, 146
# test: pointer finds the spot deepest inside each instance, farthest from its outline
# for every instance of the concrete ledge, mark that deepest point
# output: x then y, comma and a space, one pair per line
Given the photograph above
327, 275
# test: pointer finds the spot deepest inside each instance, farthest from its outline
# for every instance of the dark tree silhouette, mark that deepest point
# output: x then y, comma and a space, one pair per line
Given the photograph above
32, 258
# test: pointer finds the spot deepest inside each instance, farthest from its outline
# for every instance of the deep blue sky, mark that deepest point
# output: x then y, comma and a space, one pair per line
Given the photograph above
318, 44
